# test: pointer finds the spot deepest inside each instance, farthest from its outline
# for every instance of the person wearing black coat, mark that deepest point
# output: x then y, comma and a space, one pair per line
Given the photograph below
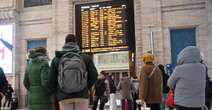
68, 100
135, 92
3, 84
208, 89
165, 87
112, 92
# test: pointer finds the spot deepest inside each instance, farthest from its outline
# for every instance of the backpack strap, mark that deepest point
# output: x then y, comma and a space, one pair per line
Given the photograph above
153, 71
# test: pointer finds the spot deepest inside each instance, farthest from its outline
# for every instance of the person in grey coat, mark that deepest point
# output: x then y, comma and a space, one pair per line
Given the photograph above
125, 88
188, 80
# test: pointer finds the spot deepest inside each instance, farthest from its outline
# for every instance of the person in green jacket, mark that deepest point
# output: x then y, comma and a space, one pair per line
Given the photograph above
36, 80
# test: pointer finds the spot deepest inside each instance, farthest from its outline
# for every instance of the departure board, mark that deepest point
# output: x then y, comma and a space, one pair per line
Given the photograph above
102, 27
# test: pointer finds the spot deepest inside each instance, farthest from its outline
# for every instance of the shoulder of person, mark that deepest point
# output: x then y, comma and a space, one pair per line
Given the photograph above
85, 57
84, 54
55, 60
106, 81
45, 63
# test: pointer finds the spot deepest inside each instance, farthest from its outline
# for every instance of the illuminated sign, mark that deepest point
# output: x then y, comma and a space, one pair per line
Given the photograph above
102, 27
6, 47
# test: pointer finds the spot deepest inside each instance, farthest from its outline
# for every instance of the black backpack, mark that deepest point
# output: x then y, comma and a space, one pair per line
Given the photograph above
100, 87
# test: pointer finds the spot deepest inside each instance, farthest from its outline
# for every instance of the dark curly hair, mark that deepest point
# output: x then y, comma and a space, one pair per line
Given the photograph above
39, 50
70, 38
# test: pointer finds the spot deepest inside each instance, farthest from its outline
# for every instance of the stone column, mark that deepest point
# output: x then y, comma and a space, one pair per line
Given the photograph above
148, 18
209, 59
61, 19
138, 34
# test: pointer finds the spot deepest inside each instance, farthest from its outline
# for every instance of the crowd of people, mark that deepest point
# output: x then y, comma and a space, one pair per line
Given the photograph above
72, 78
189, 85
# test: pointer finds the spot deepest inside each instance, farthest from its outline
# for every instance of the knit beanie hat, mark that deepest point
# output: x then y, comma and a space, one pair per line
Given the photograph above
148, 57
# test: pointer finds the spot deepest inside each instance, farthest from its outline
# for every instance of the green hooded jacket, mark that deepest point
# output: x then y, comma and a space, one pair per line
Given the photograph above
36, 83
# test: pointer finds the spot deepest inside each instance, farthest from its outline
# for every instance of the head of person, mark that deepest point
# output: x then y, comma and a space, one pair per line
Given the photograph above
70, 38
148, 58
40, 50
202, 57
125, 74
150, 51
102, 74
189, 54
135, 77
111, 75
161, 67
71, 43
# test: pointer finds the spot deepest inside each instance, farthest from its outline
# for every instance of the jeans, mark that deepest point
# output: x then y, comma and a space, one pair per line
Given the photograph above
113, 101
135, 105
95, 103
163, 104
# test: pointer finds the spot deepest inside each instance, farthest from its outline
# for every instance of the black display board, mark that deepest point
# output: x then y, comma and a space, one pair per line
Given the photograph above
104, 27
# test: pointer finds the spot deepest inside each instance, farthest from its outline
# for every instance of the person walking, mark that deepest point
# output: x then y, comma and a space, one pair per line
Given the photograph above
112, 92
208, 88
135, 92
125, 88
72, 74
35, 80
189, 80
101, 92
208, 91
151, 83
165, 87
14, 104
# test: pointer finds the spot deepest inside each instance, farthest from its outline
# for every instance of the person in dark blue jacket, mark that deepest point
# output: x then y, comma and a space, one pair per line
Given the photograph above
3, 83
208, 88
